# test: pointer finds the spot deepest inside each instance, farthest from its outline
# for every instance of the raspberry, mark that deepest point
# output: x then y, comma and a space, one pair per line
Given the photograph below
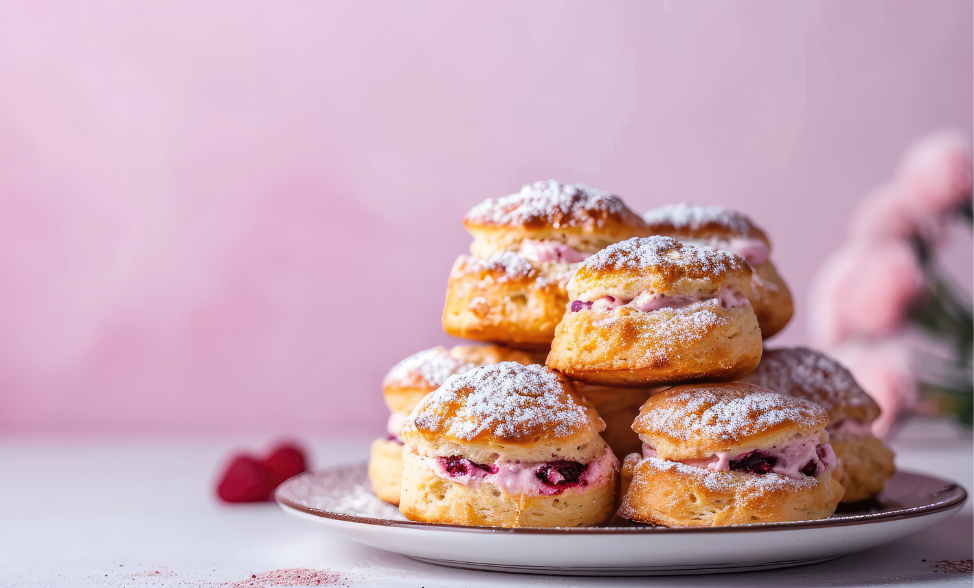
250, 480
245, 480
284, 462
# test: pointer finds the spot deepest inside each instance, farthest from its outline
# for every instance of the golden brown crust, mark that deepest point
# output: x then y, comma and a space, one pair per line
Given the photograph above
684, 221
505, 300
429, 498
865, 464
506, 404
806, 373
675, 495
385, 470
700, 420
618, 407
626, 347
771, 299
491, 354
577, 216
660, 265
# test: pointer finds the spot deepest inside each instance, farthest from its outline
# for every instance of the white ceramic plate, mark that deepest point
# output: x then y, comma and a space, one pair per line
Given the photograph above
341, 500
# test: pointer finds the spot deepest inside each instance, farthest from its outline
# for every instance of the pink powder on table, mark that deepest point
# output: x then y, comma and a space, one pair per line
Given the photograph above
291, 577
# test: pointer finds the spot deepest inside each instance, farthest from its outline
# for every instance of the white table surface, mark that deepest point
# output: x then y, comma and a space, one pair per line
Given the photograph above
141, 512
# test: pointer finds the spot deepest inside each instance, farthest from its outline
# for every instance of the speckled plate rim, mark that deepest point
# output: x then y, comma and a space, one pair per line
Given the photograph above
951, 496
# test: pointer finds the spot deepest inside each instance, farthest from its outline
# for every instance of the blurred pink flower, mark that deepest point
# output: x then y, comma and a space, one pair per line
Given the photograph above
889, 214
865, 290
883, 370
934, 179
936, 173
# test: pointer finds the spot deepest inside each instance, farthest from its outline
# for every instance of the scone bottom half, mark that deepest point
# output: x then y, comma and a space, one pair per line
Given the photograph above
507, 445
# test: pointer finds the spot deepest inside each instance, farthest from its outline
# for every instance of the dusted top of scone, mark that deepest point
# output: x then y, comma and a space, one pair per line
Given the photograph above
551, 221
421, 373
701, 222
812, 375
506, 403
552, 204
658, 265
425, 370
700, 420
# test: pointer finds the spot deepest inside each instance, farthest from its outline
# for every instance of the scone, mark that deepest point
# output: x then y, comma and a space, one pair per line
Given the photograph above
511, 289
618, 408
653, 311
865, 463
407, 383
729, 454
507, 445
732, 231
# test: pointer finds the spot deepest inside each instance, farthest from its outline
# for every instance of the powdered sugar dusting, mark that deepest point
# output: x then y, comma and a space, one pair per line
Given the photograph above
511, 265
809, 374
723, 414
428, 368
688, 216
686, 325
730, 482
660, 254
550, 203
508, 400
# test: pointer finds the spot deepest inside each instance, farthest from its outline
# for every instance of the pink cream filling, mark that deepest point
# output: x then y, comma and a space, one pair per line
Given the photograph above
545, 251
395, 423
525, 478
791, 460
650, 301
754, 251
850, 427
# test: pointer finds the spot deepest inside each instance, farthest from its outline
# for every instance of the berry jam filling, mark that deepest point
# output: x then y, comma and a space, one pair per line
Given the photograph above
755, 462
759, 462
460, 466
395, 438
560, 474
578, 305
809, 469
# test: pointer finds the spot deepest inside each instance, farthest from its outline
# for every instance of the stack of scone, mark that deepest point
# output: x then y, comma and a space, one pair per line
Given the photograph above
605, 335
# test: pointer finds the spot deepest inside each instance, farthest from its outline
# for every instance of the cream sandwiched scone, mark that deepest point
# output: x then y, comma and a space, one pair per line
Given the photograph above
652, 311
728, 454
865, 462
730, 230
411, 380
507, 445
511, 288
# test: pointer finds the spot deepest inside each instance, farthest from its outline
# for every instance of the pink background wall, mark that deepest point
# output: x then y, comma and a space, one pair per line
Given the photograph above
238, 215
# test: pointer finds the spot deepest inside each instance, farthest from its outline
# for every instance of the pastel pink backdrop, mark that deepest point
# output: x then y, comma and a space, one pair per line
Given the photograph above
236, 216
